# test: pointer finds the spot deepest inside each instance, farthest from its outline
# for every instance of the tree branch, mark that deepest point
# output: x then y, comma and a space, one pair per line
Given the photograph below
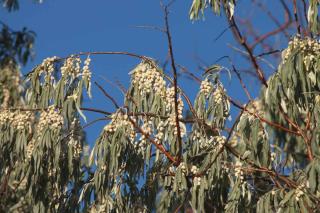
175, 81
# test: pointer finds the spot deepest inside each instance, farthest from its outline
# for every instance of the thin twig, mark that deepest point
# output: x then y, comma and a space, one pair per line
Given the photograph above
296, 16
108, 96
221, 34
193, 76
95, 121
151, 28
268, 53
242, 41
279, 126
95, 110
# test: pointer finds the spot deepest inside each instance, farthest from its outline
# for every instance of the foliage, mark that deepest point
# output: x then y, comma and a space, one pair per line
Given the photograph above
151, 156
12, 5
15, 46
313, 17
200, 5
42, 140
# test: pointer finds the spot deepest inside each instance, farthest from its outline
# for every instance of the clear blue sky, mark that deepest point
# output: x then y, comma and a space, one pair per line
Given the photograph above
66, 27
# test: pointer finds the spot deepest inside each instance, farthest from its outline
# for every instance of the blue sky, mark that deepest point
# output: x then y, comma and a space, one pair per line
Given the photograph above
66, 27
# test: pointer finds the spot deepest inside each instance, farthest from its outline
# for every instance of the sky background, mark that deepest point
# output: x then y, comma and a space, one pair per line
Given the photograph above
68, 27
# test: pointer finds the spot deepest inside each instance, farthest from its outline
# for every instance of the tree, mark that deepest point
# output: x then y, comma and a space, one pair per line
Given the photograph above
153, 157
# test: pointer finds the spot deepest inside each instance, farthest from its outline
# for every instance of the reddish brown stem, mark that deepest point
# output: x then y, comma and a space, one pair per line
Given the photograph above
242, 41
175, 81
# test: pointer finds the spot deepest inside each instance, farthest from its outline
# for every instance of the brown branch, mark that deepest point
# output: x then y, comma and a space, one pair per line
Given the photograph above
242, 41
222, 148
241, 82
94, 121
271, 33
158, 146
252, 31
175, 80
274, 19
268, 53
108, 96
192, 76
114, 53
276, 125
95, 110
299, 130
272, 173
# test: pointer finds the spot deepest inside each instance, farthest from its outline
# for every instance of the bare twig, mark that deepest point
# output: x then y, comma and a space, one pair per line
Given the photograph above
242, 41
151, 28
95, 110
95, 121
107, 95
268, 53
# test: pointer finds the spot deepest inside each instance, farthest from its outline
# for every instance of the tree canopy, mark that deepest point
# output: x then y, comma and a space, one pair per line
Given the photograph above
160, 151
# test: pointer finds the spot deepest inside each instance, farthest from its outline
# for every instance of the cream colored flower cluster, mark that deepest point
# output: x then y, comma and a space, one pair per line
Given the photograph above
172, 123
170, 101
29, 149
149, 79
196, 180
309, 47
118, 120
180, 108
238, 171
197, 136
47, 65
71, 66
299, 191
273, 156
218, 95
22, 120
19, 120
220, 141
183, 167
160, 132
147, 130
86, 73
75, 138
205, 143
50, 118
255, 108
6, 117
52, 172
206, 87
